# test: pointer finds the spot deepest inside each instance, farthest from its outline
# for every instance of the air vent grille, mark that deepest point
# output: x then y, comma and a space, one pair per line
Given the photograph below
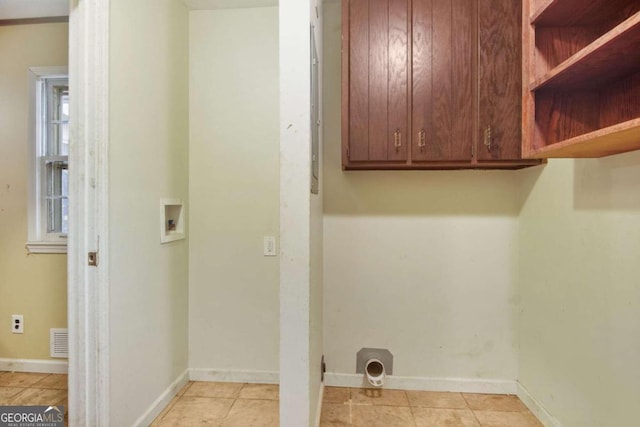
59, 343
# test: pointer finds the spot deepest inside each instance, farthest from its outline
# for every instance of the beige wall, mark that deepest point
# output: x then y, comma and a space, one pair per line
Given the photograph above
32, 285
234, 189
423, 263
148, 154
580, 289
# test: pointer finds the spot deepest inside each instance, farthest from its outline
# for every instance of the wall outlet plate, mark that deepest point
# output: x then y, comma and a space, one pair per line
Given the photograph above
17, 323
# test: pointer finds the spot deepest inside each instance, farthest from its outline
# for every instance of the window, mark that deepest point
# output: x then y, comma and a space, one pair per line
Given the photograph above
49, 156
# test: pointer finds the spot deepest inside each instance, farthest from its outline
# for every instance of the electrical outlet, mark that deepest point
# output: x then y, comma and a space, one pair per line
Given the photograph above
17, 323
269, 246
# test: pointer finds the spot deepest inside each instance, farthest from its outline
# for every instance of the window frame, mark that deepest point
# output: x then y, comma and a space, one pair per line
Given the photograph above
39, 240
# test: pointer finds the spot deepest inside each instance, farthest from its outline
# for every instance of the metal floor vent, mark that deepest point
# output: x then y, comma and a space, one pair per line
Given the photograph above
59, 342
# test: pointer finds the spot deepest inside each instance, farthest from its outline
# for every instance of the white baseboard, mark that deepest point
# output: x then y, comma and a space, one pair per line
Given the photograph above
466, 385
234, 376
35, 365
319, 406
162, 401
536, 408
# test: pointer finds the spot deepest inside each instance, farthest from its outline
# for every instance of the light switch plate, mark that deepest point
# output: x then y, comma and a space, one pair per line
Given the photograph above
270, 246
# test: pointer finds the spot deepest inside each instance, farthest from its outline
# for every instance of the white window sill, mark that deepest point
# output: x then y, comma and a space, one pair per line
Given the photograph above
46, 247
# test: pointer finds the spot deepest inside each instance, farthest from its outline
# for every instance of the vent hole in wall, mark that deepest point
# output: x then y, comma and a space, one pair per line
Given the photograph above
375, 368
59, 343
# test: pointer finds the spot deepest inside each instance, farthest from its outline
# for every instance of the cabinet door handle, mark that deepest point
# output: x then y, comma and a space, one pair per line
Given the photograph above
397, 139
422, 136
487, 137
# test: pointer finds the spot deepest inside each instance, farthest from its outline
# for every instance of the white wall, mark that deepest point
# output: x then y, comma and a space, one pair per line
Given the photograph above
300, 226
316, 242
148, 161
234, 190
422, 263
580, 290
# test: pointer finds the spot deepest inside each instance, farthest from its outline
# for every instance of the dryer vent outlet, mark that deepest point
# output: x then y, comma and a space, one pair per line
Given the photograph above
381, 354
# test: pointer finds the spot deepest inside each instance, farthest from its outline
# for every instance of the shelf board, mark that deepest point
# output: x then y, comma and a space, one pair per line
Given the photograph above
611, 57
614, 139
565, 13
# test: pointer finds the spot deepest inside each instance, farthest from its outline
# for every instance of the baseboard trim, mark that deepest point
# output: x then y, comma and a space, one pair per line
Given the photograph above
161, 402
234, 376
319, 406
467, 385
35, 365
536, 408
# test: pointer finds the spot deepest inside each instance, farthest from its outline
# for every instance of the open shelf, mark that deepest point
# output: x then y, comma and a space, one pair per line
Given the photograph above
614, 139
581, 60
578, 12
592, 66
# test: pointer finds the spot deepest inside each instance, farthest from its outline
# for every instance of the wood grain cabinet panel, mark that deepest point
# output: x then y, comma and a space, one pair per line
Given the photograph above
423, 78
500, 81
443, 70
378, 80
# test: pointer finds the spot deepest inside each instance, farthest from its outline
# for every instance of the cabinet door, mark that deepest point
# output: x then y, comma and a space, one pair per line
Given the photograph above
500, 79
443, 80
378, 80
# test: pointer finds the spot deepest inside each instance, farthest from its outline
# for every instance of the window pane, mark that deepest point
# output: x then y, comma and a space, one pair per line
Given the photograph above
64, 139
65, 182
64, 122
57, 179
54, 223
53, 151
57, 143
64, 224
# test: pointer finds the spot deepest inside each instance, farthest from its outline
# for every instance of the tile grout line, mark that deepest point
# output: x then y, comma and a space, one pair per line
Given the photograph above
413, 418
13, 398
168, 408
230, 408
189, 384
472, 410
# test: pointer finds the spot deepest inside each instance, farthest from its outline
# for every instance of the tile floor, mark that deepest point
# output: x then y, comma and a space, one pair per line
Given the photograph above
222, 404
397, 408
23, 388
256, 405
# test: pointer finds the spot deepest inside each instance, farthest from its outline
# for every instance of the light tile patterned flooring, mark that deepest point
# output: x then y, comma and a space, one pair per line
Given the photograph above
397, 408
256, 405
22, 388
222, 404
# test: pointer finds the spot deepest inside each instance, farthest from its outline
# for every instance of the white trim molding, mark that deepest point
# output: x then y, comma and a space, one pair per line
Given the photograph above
536, 408
88, 296
34, 365
234, 376
466, 385
163, 401
46, 247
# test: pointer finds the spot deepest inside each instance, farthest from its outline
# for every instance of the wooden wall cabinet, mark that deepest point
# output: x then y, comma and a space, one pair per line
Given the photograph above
431, 84
581, 73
